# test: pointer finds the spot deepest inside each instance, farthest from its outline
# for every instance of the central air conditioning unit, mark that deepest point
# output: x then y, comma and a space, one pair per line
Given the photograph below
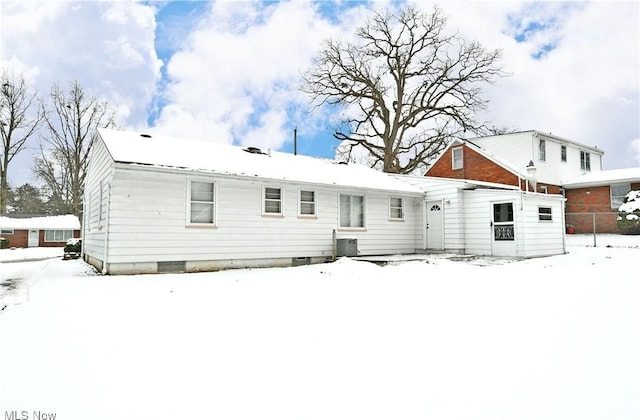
347, 247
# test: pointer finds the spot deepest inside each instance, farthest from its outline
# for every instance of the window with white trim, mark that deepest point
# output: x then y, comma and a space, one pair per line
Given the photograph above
6, 231
585, 160
307, 203
542, 148
618, 191
563, 153
457, 160
351, 211
396, 211
544, 214
544, 189
57, 235
272, 200
202, 202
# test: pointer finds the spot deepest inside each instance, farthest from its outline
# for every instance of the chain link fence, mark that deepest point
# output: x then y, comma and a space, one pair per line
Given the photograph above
593, 223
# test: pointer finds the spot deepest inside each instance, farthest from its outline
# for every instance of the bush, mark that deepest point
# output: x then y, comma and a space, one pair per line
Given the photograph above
629, 213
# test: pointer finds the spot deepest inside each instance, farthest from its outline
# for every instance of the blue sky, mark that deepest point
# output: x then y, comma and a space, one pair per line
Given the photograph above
229, 71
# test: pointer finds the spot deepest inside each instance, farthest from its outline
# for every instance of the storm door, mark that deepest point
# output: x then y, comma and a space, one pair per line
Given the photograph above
503, 230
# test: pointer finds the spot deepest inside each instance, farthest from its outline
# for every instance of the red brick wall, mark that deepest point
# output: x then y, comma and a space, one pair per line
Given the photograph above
592, 200
478, 168
19, 239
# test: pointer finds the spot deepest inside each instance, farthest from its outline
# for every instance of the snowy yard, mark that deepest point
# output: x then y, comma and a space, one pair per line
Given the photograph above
547, 338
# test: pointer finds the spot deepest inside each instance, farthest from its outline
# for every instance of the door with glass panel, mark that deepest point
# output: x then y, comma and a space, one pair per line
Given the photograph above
503, 230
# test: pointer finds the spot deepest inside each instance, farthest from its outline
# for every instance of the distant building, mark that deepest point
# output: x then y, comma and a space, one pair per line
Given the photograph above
39, 231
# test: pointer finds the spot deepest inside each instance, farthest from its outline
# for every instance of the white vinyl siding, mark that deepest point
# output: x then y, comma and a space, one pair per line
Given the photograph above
351, 211
307, 203
272, 201
202, 203
457, 160
396, 211
57, 235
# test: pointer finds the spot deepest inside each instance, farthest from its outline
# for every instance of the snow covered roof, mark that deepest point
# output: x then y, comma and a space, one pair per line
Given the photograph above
67, 221
605, 178
135, 148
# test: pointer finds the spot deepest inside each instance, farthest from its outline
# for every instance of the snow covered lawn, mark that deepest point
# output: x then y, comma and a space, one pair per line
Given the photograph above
547, 338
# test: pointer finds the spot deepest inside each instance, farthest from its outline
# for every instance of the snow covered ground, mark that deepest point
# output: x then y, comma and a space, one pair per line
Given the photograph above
546, 338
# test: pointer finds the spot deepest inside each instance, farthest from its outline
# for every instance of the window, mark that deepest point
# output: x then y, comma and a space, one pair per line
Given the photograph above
544, 189
202, 202
307, 203
272, 200
542, 147
57, 235
503, 228
6, 231
585, 161
395, 208
563, 153
618, 191
456, 158
544, 214
563, 192
351, 210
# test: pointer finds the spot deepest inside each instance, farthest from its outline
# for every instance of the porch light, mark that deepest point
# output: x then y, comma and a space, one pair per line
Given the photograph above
531, 175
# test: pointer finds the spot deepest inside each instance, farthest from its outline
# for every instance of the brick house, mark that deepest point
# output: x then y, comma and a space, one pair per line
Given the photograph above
45, 231
594, 198
562, 166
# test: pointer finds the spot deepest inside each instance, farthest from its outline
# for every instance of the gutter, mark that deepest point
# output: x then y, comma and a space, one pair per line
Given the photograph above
106, 231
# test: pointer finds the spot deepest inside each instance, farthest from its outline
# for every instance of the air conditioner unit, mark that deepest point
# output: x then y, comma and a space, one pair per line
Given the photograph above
347, 247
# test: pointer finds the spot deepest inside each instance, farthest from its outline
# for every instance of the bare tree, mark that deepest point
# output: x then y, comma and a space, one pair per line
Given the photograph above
71, 120
18, 122
407, 86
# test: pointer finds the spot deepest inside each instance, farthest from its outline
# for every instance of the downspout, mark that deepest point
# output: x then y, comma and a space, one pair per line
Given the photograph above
106, 230
334, 246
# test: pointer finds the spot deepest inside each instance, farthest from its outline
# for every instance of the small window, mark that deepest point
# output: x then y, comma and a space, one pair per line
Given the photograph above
544, 214
57, 235
307, 203
563, 153
6, 231
272, 200
585, 161
542, 147
456, 158
618, 191
202, 202
563, 192
544, 189
351, 211
395, 208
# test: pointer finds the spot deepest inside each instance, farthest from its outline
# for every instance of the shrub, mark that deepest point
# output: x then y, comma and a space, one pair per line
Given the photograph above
629, 213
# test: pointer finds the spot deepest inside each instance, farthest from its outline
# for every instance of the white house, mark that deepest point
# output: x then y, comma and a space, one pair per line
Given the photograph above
557, 159
161, 204
482, 218
158, 204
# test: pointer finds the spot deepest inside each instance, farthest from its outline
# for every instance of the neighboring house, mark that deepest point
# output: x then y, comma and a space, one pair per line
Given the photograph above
504, 159
43, 231
481, 218
594, 198
161, 204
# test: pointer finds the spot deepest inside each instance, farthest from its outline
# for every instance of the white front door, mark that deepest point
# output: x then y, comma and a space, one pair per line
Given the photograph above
503, 230
434, 224
33, 238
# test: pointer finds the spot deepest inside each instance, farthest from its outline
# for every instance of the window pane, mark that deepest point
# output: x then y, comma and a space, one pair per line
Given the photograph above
544, 213
563, 153
202, 191
272, 193
345, 210
49, 235
307, 208
395, 208
308, 196
543, 150
201, 213
503, 212
271, 206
